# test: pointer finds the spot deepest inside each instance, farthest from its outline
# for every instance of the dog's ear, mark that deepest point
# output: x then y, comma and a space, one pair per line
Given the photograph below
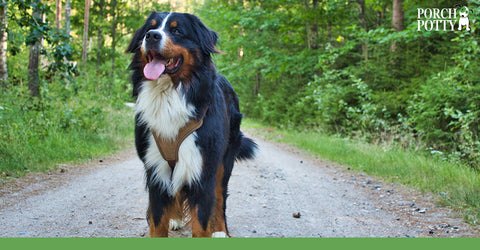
139, 34
206, 37
136, 41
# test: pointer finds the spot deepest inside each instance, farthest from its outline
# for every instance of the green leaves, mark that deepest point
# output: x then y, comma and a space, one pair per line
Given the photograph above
27, 30
320, 63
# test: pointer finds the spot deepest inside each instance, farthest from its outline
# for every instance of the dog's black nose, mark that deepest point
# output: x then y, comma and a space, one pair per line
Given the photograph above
153, 36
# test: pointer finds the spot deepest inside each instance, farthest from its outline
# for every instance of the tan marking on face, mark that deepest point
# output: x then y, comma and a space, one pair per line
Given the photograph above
173, 24
143, 58
154, 22
184, 74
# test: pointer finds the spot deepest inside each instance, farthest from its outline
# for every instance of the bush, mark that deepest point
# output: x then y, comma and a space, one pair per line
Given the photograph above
445, 114
69, 123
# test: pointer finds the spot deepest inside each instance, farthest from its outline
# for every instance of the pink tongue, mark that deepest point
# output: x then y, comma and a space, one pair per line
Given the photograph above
154, 69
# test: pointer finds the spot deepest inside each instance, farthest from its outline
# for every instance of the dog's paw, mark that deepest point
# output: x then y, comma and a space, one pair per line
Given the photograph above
219, 235
175, 224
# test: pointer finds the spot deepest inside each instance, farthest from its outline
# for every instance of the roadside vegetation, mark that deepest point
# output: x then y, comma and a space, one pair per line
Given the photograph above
360, 69
61, 127
453, 184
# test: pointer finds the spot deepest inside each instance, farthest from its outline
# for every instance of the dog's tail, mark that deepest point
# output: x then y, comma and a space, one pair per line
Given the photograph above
248, 148
244, 147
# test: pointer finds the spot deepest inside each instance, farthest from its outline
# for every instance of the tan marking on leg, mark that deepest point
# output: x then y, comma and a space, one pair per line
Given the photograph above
219, 219
161, 230
197, 229
173, 211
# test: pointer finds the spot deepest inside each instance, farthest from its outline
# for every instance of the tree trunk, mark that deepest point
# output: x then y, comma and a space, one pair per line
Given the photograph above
381, 15
329, 31
256, 88
68, 9
33, 60
397, 20
114, 34
398, 15
363, 24
58, 14
3, 42
101, 5
312, 29
85, 32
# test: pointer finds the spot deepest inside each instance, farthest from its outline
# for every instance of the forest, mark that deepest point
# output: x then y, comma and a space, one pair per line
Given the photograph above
366, 69
400, 72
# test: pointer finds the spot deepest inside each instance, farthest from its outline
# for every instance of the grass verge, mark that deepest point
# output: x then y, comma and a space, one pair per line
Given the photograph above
37, 135
454, 185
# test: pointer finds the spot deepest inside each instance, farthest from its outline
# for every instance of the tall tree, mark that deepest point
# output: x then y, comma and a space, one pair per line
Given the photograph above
397, 20
58, 13
68, 8
85, 31
34, 57
363, 24
3, 41
114, 33
398, 15
312, 28
101, 6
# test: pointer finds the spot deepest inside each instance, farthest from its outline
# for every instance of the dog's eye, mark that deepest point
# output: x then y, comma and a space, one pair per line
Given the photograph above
176, 31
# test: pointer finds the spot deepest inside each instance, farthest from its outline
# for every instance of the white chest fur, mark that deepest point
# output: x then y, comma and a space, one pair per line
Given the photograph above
165, 110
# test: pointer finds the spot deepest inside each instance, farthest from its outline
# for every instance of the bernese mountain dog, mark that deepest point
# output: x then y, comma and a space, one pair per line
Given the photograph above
187, 124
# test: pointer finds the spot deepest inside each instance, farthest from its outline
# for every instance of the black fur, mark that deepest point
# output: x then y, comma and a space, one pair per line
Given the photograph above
219, 139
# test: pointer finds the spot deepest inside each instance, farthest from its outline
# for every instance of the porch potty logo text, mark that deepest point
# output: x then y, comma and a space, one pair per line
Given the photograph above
443, 19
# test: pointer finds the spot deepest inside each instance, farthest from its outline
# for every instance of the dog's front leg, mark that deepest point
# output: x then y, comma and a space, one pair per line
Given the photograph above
160, 229
159, 213
202, 202
199, 227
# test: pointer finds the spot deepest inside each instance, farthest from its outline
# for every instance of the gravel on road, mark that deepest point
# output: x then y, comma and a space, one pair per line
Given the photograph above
282, 193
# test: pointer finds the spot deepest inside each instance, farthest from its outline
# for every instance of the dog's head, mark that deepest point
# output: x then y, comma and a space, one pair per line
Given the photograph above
463, 12
173, 44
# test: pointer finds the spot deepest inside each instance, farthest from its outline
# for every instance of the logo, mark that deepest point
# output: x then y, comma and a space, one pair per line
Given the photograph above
463, 21
446, 19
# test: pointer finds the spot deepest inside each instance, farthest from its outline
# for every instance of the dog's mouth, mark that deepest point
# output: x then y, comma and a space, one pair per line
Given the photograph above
158, 65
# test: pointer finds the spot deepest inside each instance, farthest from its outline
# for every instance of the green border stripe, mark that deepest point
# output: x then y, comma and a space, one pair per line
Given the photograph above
238, 243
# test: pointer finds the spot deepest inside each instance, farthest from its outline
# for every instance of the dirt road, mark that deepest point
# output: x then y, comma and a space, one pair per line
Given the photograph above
107, 198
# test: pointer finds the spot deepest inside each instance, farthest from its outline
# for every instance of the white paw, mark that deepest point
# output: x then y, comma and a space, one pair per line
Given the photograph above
219, 235
175, 224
